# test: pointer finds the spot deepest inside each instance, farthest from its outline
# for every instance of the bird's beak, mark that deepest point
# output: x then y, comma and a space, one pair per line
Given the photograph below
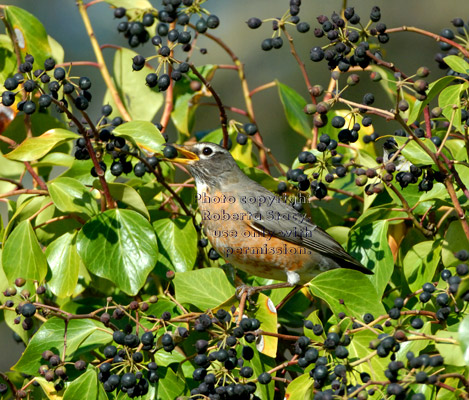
190, 156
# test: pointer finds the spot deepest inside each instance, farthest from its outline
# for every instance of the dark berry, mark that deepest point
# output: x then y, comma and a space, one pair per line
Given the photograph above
254, 23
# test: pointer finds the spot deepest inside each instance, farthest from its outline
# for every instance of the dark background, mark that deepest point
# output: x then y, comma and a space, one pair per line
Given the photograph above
408, 50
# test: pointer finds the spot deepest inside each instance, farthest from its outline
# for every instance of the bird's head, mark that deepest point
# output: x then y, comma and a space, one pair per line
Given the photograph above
209, 163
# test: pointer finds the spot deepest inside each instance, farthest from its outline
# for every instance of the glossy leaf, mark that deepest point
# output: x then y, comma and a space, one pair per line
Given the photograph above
457, 64
266, 313
451, 352
128, 195
142, 133
37, 147
420, 263
414, 153
301, 388
204, 288
31, 35
143, 4
369, 245
464, 338
360, 348
139, 99
83, 336
455, 240
433, 89
22, 256
64, 263
86, 386
170, 385
119, 245
177, 240
293, 105
71, 196
449, 98
334, 285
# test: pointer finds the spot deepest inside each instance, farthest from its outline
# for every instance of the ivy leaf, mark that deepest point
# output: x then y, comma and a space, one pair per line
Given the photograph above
464, 338
142, 4
352, 288
457, 64
142, 133
204, 288
301, 388
22, 256
31, 34
170, 385
36, 147
414, 153
177, 239
293, 105
64, 262
83, 335
369, 245
420, 263
119, 245
71, 196
141, 101
449, 98
86, 386
127, 195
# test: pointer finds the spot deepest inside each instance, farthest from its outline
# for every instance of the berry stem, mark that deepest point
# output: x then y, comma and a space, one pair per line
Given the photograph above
438, 38
428, 128
24, 191
79, 63
246, 94
300, 63
370, 110
19, 185
221, 107
385, 64
406, 207
100, 59
262, 87
62, 217
9, 383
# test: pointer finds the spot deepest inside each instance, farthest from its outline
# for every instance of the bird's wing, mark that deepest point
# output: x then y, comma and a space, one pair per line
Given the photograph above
281, 220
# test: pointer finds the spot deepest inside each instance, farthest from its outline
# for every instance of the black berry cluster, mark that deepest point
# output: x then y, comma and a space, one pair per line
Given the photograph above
167, 37
348, 40
278, 24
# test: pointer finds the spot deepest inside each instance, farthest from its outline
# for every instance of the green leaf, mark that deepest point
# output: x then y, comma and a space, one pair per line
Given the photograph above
204, 288
139, 99
36, 147
177, 239
31, 35
170, 385
119, 245
71, 196
266, 313
11, 170
360, 348
22, 256
433, 89
83, 335
143, 4
414, 153
369, 245
455, 240
293, 105
452, 353
86, 386
464, 338
64, 263
57, 50
457, 64
449, 98
354, 288
7, 68
300, 388
420, 263
127, 195
142, 133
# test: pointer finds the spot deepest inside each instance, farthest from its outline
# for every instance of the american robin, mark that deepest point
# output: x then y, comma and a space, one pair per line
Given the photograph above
253, 229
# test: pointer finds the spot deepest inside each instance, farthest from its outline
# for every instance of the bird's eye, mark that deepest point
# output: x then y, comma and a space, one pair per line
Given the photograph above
207, 151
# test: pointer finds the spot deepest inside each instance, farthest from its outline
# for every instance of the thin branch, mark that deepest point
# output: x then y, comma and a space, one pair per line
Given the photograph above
102, 65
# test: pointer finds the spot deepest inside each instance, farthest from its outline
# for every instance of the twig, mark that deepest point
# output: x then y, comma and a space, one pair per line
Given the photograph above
221, 108
100, 59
